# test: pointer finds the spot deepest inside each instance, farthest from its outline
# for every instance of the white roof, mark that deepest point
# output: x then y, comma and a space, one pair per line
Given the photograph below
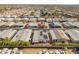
23, 35
20, 24
56, 19
63, 35
33, 19
71, 19
53, 35
37, 37
10, 19
41, 18
9, 23
56, 34
57, 24
74, 34
76, 24
26, 35
66, 23
2, 23
33, 24
7, 33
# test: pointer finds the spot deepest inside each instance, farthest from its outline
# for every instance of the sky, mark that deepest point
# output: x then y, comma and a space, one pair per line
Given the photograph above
39, 1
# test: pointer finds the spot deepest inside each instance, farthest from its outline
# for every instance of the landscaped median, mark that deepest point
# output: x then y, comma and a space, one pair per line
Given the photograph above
65, 44
9, 43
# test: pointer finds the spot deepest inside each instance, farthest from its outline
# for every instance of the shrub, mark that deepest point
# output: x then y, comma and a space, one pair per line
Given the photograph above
8, 43
65, 44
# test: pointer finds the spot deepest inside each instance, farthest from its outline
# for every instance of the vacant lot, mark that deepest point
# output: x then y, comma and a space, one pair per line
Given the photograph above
36, 50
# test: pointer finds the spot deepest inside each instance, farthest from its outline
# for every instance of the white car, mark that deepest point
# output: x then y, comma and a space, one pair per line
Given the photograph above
8, 51
57, 52
51, 52
44, 51
47, 52
40, 52
4, 51
21, 52
15, 50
